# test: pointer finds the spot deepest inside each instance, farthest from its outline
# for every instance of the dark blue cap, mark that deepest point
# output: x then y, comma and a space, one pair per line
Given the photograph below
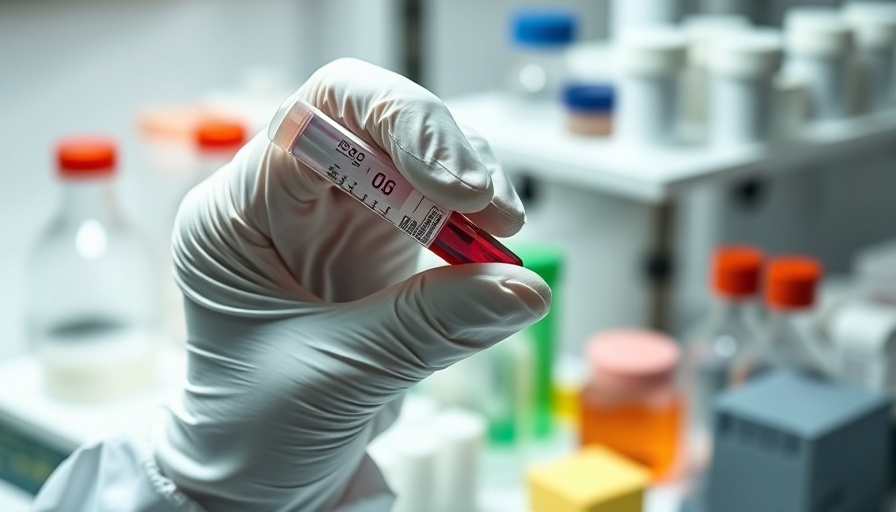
543, 27
589, 97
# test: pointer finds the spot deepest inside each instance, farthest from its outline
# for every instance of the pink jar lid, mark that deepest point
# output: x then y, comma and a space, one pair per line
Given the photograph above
632, 359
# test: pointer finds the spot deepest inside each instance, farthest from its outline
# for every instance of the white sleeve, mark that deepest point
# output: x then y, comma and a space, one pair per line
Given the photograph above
118, 474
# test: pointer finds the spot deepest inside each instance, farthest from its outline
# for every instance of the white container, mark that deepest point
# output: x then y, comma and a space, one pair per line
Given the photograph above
874, 25
630, 15
702, 31
791, 107
743, 66
461, 435
819, 50
863, 335
407, 455
650, 63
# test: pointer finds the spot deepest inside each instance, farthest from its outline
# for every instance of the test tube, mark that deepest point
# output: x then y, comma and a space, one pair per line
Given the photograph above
368, 175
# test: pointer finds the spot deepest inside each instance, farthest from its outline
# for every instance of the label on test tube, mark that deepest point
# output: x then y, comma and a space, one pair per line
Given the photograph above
357, 169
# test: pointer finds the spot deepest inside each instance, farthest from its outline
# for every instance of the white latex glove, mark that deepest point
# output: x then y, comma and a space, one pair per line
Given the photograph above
305, 324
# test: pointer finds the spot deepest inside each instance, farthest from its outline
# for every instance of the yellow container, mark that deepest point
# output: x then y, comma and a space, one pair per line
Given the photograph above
595, 479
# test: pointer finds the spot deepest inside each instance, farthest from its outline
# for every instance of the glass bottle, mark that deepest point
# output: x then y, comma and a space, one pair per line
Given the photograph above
90, 312
631, 403
713, 346
540, 39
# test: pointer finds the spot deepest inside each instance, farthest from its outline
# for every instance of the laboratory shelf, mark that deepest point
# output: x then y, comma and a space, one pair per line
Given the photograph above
534, 140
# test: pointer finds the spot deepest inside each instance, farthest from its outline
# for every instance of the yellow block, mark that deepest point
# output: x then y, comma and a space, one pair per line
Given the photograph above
593, 480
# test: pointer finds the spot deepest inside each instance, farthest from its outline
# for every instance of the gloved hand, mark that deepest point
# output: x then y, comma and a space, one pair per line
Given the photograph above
305, 323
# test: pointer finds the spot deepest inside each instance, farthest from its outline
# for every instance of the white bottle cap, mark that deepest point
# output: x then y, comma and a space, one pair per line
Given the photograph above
874, 23
651, 52
817, 32
747, 54
703, 30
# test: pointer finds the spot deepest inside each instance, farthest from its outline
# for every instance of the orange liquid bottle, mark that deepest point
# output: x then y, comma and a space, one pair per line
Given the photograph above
631, 404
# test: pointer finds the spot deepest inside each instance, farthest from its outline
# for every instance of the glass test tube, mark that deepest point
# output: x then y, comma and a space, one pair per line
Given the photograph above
368, 175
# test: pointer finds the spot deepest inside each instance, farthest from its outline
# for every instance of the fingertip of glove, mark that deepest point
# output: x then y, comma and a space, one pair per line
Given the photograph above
530, 288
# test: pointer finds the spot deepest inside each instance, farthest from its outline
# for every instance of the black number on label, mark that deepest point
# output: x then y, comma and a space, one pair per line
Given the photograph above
380, 182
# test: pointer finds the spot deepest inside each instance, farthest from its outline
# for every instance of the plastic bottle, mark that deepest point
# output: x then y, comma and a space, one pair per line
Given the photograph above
589, 109
789, 333
819, 49
540, 38
91, 314
714, 345
631, 404
650, 65
547, 261
874, 24
743, 67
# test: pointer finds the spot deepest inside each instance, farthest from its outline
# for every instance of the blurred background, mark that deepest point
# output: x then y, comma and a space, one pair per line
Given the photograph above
645, 136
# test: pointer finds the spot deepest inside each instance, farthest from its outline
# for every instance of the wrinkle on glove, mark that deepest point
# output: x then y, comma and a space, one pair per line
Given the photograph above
305, 322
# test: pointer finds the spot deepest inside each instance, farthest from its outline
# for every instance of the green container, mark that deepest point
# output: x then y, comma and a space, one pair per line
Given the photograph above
546, 260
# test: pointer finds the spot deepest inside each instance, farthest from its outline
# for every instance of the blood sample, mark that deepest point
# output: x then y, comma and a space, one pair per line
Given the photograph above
368, 175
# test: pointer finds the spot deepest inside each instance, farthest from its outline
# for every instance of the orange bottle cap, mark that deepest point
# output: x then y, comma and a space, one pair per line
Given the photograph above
86, 157
632, 359
736, 270
220, 135
790, 282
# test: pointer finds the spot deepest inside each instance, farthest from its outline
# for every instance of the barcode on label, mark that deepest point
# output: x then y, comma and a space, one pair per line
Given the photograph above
423, 231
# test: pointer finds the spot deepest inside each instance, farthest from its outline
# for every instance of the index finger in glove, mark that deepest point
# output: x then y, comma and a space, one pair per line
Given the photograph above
410, 124
505, 215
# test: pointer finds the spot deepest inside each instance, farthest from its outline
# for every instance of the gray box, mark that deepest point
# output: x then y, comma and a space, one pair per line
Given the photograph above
786, 442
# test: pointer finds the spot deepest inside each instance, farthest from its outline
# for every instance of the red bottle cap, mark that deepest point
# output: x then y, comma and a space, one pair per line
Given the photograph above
220, 135
86, 157
736, 270
632, 359
790, 282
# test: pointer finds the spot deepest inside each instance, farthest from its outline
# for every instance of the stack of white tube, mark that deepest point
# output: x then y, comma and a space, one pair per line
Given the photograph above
430, 458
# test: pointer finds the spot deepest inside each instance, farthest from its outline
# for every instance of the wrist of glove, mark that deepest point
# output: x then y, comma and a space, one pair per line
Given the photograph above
305, 322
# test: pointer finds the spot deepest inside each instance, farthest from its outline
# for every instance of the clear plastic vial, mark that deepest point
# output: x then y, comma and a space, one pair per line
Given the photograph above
743, 66
368, 174
874, 24
90, 310
819, 50
712, 348
540, 38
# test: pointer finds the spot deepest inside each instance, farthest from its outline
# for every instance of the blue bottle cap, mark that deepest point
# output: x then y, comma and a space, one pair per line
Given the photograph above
543, 27
592, 98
